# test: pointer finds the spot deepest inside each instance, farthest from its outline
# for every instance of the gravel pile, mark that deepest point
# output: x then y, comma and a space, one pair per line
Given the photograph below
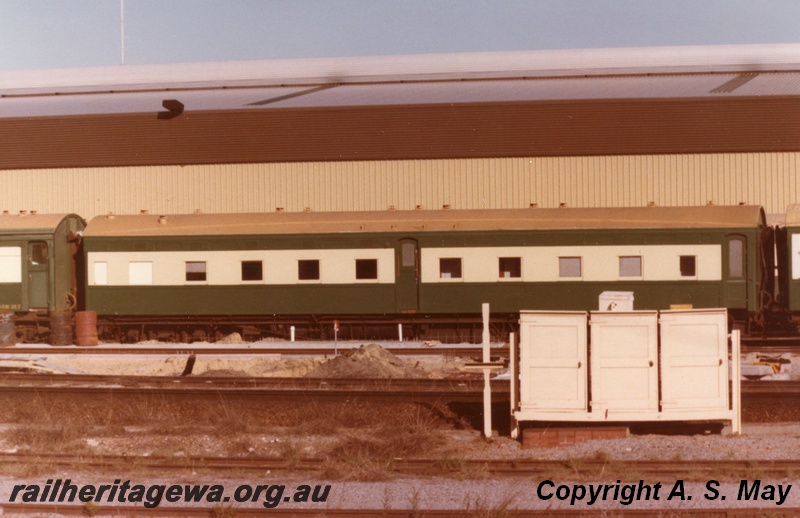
368, 361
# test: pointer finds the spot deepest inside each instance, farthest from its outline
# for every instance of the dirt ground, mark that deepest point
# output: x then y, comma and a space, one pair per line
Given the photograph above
367, 361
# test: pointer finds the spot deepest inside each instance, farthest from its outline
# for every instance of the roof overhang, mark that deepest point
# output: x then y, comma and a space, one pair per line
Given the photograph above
401, 68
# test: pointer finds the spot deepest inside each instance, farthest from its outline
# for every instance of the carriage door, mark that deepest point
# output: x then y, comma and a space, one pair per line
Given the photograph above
38, 274
407, 281
734, 257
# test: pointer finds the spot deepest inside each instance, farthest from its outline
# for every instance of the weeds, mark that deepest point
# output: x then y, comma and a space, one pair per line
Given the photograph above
366, 439
224, 511
480, 508
90, 509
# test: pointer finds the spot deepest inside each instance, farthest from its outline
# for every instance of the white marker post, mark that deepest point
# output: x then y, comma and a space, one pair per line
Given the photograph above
512, 358
736, 377
487, 376
336, 338
486, 366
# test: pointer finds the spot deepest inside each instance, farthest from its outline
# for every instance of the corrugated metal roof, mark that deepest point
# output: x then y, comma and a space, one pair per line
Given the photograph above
460, 92
669, 72
743, 216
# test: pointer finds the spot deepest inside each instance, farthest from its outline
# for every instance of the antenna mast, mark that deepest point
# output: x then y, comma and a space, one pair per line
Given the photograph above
122, 32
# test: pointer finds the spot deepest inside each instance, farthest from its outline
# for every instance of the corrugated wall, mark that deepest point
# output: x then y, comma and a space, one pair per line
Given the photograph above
756, 124
769, 179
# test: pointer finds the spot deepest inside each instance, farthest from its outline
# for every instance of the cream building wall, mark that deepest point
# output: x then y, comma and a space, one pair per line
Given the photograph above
768, 179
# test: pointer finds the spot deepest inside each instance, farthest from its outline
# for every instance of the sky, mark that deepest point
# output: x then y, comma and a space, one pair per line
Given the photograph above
41, 34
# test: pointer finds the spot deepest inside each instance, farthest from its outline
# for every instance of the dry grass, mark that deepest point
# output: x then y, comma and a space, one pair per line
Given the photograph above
369, 454
360, 440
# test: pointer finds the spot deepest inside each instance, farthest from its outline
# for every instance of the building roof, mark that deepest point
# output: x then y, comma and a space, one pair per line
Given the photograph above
525, 76
663, 100
741, 216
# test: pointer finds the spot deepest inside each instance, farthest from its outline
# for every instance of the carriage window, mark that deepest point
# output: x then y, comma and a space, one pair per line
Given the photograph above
736, 258
450, 268
510, 267
100, 273
252, 270
569, 267
195, 271
366, 268
688, 265
408, 252
630, 266
10, 264
38, 253
140, 272
308, 269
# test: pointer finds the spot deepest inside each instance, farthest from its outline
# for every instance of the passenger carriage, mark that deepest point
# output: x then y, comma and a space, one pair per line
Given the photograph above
199, 276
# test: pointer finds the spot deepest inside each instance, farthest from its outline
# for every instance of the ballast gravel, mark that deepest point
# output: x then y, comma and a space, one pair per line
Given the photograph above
482, 495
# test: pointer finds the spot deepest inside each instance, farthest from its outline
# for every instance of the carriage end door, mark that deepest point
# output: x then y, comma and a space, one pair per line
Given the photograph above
734, 271
407, 276
38, 274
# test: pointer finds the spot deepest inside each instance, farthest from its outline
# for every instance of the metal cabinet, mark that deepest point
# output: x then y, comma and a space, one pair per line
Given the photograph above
631, 366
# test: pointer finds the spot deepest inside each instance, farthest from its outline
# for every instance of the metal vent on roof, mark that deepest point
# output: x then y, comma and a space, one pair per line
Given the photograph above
734, 83
174, 108
291, 95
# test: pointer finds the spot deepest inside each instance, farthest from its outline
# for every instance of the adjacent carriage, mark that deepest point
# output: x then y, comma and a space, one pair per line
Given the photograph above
41, 275
787, 237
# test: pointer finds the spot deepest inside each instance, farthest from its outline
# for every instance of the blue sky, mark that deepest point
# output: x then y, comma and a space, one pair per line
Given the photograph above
38, 34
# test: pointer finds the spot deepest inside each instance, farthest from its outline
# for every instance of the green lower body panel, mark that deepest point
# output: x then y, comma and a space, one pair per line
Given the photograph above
374, 299
11, 297
241, 300
794, 295
510, 297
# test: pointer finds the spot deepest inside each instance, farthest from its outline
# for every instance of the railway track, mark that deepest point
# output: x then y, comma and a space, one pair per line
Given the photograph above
186, 350
655, 469
771, 345
467, 390
301, 389
205, 512
665, 472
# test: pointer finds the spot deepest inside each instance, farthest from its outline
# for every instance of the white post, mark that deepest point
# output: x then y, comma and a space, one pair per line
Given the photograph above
736, 374
512, 367
485, 308
487, 387
400, 332
291, 333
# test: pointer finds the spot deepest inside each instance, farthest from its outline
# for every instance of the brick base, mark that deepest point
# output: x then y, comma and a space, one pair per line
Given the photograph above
554, 436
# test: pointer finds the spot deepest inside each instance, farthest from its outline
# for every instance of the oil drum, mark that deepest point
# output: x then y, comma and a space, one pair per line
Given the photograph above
86, 327
7, 329
61, 328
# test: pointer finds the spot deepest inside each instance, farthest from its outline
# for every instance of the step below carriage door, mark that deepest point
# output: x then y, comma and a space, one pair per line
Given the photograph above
734, 272
38, 274
407, 276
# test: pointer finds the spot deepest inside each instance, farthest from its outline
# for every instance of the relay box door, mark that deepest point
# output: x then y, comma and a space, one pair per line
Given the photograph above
624, 357
553, 371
